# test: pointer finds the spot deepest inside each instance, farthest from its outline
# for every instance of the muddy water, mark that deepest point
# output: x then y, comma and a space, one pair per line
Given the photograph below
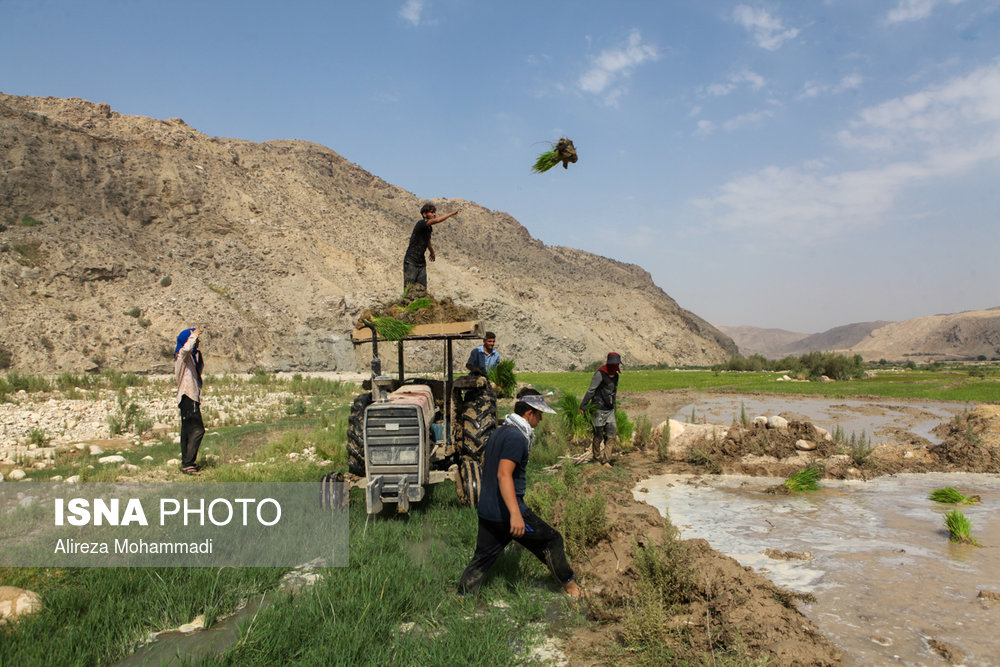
874, 417
889, 586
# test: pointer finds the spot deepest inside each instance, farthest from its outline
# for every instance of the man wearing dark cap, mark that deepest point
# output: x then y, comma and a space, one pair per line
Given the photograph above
603, 391
503, 516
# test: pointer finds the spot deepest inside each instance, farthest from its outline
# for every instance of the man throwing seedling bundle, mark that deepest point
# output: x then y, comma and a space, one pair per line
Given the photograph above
414, 264
603, 391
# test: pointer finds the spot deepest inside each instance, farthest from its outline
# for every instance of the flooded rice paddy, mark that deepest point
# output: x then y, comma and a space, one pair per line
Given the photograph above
889, 587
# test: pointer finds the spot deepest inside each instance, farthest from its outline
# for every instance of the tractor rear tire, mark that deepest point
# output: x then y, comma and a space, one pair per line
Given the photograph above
479, 420
469, 481
356, 435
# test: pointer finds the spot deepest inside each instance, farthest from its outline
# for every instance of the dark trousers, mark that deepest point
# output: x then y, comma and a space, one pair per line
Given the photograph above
414, 275
539, 538
192, 431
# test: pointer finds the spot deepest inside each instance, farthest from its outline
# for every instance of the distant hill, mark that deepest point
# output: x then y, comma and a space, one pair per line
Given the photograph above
119, 231
959, 336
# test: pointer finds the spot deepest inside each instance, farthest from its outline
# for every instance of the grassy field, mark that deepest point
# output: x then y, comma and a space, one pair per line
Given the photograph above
395, 603
944, 385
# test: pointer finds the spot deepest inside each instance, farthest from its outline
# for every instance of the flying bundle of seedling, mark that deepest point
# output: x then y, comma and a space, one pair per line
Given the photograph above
562, 151
804, 480
959, 528
950, 495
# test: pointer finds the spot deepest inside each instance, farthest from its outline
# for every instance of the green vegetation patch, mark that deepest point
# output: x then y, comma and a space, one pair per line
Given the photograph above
959, 528
806, 479
950, 496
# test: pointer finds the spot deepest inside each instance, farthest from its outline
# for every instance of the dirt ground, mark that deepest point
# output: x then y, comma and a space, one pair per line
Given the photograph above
733, 606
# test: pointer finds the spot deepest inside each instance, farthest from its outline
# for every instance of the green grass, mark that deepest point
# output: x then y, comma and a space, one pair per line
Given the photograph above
950, 495
945, 385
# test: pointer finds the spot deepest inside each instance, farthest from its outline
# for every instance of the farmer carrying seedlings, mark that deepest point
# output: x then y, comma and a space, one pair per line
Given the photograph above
188, 365
414, 265
484, 358
503, 516
603, 391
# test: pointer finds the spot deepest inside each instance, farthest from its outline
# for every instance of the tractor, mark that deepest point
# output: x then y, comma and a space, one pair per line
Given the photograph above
405, 433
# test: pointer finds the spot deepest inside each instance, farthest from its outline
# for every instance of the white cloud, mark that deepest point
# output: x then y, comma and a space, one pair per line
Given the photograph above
814, 89
945, 130
612, 65
914, 10
769, 32
732, 82
411, 11
743, 120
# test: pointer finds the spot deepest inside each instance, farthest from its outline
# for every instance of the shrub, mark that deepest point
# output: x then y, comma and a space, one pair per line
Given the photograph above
5, 358
129, 417
860, 448
134, 312
28, 221
663, 446
165, 281
584, 522
37, 437
643, 432
295, 408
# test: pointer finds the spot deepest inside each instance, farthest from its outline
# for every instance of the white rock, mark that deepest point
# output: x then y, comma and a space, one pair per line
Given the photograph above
805, 445
774, 421
174, 462
197, 624
56, 478
130, 467
72, 479
147, 458
908, 455
760, 420
15, 602
17, 475
95, 450
116, 458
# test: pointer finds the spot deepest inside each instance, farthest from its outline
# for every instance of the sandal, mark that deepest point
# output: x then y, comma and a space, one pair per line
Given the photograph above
191, 470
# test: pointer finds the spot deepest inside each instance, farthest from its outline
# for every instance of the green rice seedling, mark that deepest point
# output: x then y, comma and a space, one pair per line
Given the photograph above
419, 304
744, 417
624, 428
37, 437
804, 480
389, 328
502, 375
643, 432
545, 161
959, 528
575, 427
860, 448
950, 495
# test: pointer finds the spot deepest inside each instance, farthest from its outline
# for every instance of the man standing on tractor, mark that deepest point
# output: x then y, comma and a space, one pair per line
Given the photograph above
484, 358
603, 391
414, 265
503, 516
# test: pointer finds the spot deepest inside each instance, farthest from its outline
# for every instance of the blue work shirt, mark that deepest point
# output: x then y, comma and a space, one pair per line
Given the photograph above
478, 358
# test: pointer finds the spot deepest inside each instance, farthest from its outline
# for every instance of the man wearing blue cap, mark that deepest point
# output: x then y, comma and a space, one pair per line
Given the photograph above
503, 516
188, 365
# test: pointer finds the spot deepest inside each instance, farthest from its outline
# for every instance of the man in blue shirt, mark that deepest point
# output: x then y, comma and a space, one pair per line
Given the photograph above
503, 516
484, 358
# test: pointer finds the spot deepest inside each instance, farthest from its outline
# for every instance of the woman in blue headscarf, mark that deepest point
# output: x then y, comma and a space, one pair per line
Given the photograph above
188, 364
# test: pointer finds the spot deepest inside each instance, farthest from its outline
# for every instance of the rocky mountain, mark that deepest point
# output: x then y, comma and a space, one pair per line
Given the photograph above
960, 336
119, 231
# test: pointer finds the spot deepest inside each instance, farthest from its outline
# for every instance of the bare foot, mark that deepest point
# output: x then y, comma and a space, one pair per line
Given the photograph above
571, 588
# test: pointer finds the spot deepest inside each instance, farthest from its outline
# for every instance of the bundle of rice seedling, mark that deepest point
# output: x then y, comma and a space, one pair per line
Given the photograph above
389, 328
562, 151
950, 495
502, 375
419, 304
804, 480
959, 528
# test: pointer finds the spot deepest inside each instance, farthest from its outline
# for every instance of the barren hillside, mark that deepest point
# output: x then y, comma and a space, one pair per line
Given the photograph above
121, 230
961, 336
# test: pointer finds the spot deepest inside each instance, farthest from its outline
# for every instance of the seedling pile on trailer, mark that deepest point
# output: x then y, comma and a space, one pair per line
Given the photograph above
405, 433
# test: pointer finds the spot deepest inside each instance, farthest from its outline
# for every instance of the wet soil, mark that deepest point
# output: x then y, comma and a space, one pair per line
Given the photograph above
733, 605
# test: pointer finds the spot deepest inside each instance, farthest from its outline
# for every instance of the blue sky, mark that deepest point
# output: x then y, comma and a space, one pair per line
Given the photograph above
798, 165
